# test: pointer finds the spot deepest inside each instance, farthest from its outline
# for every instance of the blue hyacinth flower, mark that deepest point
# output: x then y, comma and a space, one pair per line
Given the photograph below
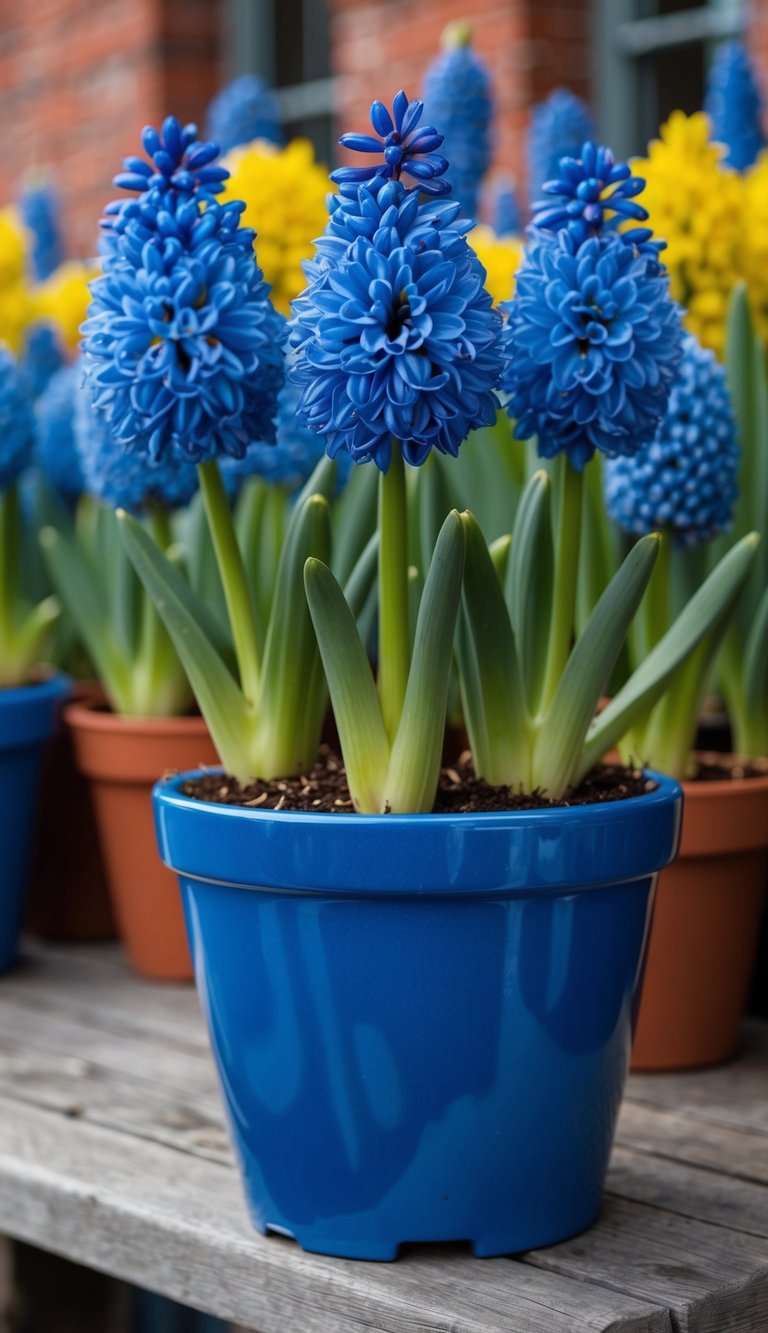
41, 359
118, 477
591, 346
396, 334
182, 343
457, 97
507, 216
56, 453
244, 110
592, 194
404, 145
293, 458
558, 128
734, 105
17, 421
39, 209
686, 480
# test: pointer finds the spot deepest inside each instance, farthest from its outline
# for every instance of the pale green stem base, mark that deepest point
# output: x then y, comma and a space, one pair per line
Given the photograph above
237, 594
394, 634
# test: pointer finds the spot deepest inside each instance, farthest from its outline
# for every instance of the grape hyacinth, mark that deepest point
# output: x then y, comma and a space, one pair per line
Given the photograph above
734, 106
559, 126
457, 97
507, 217
396, 334
686, 480
17, 421
405, 146
593, 338
291, 460
41, 359
56, 453
244, 110
182, 344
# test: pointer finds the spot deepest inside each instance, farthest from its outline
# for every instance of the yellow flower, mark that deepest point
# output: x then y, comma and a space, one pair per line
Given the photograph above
63, 299
754, 256
501, 257
13, 247
695, 204
16, 305
284, 191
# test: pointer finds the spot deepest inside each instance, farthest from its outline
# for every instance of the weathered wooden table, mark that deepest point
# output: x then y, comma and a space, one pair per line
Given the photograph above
113, 1153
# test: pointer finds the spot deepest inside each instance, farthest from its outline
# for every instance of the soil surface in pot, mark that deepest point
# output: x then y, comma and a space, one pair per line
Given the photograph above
323, 790
710, 766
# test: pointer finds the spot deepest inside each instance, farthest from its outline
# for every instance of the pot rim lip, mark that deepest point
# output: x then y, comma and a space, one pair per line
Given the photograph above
88, 715
668, 790
53, 686
722, 788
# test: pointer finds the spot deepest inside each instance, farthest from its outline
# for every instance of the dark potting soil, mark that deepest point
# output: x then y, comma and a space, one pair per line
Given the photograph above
710, 766
323, 790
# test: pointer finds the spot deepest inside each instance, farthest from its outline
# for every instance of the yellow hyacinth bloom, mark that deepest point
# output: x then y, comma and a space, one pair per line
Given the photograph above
501, 257
754, 254
284, 191
13, 247
696, 205
17, 308
63, 299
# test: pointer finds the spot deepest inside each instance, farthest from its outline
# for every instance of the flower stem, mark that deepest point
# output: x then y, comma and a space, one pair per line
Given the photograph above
394, 633
159, 684
570, 487
237, 593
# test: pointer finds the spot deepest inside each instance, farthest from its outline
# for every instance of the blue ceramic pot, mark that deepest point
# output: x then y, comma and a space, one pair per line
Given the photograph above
27, 717
421, 1023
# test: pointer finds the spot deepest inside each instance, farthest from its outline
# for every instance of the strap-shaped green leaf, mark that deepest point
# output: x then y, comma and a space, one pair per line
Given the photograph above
354, 519
414, 767
707, 611
493, 691
561, 737
291, 646
220, 699
527, 587
433, 503
500, 551
354, 696
756, 665
81, 592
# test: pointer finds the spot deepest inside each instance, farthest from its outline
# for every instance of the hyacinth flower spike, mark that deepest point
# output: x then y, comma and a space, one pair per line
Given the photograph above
396, 346
592, 348
184, 363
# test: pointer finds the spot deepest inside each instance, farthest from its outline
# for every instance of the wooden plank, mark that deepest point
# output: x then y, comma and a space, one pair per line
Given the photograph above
710, 1278
123, 1206
695, 1141
707, 1196
732, 1094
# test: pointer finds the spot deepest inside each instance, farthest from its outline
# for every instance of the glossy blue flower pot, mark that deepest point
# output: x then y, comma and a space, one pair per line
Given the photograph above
421, 1023
27, 717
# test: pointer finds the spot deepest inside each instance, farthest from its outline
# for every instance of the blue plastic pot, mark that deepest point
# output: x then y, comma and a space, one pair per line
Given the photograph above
421, 1023
27, 717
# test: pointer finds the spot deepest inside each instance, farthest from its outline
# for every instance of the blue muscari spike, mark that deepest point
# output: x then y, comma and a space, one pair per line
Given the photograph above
559, 126
41, 358
39, 210
507, 215
244, 110
734, 105
56, 452
458, 99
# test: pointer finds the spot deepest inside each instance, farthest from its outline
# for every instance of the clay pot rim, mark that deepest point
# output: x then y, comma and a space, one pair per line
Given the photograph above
722, 788
88, 715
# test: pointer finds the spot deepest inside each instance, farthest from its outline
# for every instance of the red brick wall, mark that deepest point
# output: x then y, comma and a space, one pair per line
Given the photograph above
79, 79
530, 47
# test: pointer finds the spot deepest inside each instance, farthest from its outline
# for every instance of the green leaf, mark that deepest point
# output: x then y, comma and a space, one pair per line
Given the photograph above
291, 648
587, 672
756, 666
491, 688
414, 767
220, 699
354, 519
433, 503
708, 610
528, 583
84, 597
354, 696
500, 551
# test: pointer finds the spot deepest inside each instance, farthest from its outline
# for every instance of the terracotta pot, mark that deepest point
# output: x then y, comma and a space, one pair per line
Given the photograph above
705, 929
68, 897
122, 759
